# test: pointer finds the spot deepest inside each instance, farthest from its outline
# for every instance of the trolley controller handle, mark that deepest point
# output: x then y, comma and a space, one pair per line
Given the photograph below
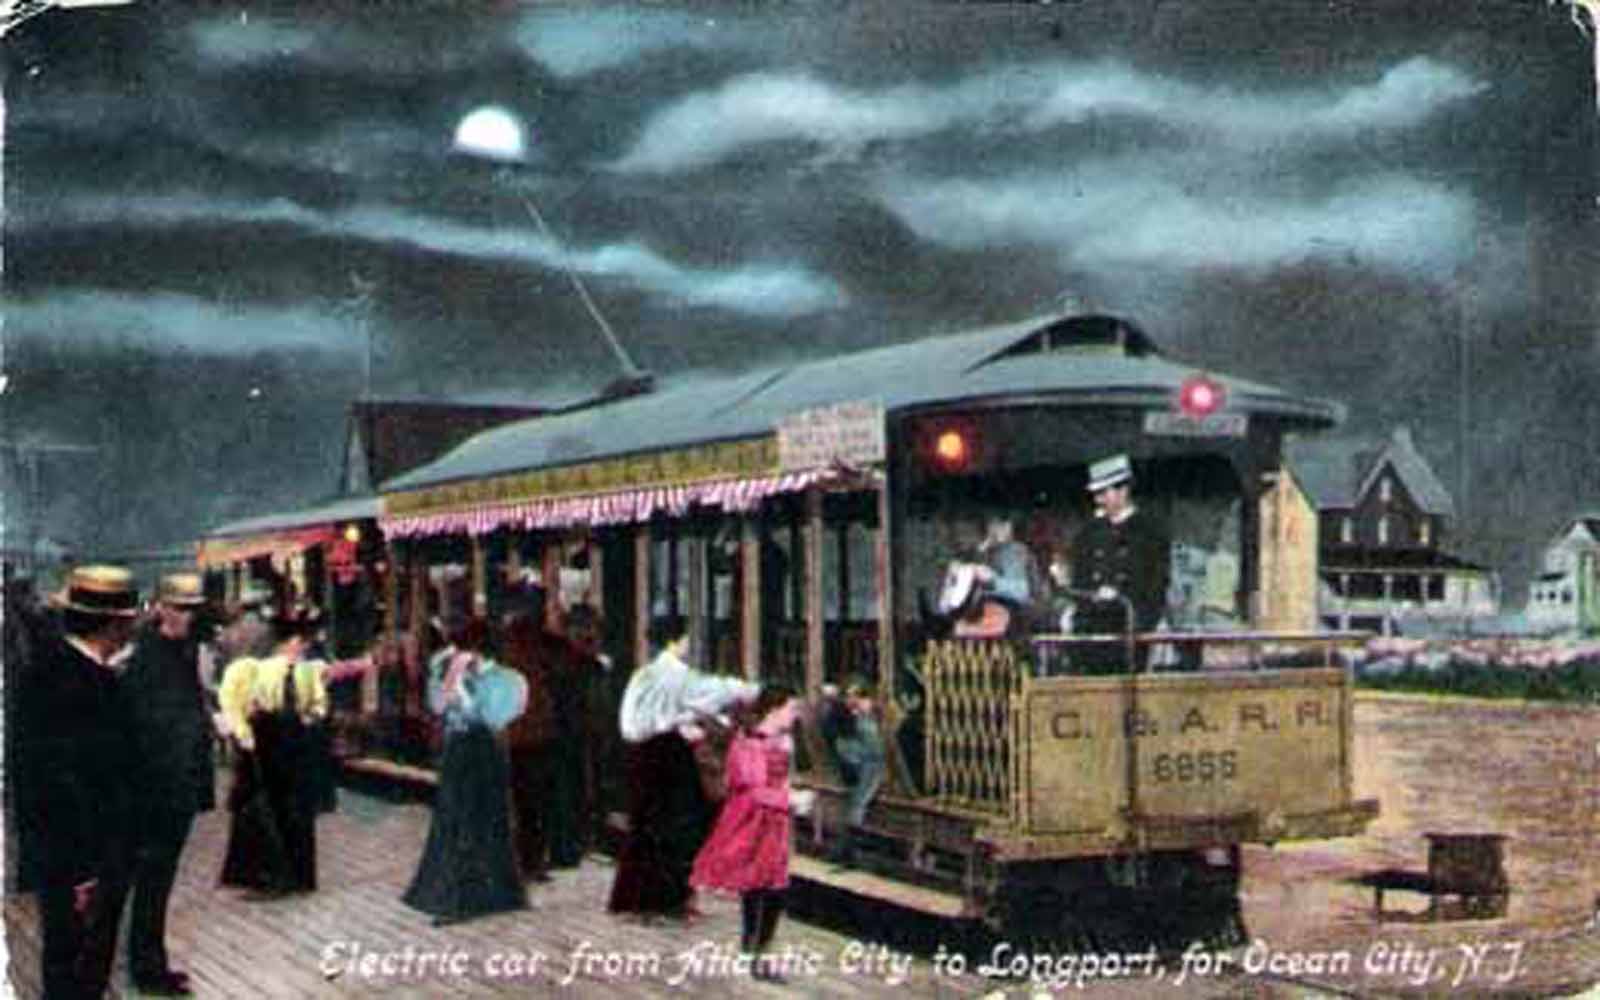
1131, 775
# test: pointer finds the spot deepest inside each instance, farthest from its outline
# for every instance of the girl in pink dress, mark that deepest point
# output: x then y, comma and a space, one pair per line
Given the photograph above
748, 850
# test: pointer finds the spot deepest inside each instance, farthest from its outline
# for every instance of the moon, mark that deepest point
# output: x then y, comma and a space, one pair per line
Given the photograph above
491, 132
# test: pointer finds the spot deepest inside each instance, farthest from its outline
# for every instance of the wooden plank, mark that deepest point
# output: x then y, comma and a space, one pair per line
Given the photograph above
550, 579
597, 576
391, 769
479, 601
699, 612
414, 669
883, 580
814, 614
641, 595
750, 609
861, 883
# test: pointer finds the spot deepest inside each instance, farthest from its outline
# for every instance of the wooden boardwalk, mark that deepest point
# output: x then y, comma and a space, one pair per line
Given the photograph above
354, 937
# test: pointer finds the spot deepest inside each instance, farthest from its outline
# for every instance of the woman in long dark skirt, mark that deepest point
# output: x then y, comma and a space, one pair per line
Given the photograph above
468, 867
269, 704
668, 815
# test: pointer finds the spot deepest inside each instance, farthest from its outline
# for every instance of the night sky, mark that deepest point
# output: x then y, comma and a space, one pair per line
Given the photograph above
209, 209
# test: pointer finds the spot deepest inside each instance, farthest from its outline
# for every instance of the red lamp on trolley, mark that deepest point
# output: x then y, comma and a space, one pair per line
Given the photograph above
1200, 396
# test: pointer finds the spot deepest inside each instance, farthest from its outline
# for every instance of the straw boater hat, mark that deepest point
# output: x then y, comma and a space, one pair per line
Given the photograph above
99, 590
1109, 472
182, 590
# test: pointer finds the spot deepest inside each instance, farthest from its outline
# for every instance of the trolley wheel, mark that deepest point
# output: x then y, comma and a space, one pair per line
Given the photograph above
1032, 918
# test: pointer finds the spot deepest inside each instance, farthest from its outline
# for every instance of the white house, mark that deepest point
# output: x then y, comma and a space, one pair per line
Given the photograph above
1565, 596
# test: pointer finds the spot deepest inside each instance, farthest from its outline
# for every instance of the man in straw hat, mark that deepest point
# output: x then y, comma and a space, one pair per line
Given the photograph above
1122, 554
75, 800
172, 727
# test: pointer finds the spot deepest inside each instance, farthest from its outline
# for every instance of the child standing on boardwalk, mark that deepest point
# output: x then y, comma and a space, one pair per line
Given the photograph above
748, 850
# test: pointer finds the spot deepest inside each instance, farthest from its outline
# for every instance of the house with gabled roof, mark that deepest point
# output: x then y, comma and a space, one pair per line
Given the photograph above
1565, 596
1384, 523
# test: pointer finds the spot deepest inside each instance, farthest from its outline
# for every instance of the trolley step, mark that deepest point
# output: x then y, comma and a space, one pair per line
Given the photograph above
388, 779
860, 883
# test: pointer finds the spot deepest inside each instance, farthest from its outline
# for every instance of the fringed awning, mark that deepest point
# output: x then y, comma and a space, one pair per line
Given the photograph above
623, 507
286, 533
279, 545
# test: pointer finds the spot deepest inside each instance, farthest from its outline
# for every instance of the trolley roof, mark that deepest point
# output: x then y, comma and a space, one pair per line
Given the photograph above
1086, 360
331, 512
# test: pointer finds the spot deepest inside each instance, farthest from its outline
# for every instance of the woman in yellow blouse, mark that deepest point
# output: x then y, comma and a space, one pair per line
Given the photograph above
269, 705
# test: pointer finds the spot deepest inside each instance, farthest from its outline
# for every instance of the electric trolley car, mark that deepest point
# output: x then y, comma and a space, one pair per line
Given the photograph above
801, 519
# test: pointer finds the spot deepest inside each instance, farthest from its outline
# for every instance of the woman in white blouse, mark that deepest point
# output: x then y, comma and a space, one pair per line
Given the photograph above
268, 705
668, 814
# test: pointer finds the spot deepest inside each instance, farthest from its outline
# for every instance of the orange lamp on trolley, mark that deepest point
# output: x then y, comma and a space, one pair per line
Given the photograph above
949, 444
950, 448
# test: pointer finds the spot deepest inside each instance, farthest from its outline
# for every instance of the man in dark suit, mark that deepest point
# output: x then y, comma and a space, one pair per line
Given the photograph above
1123, 554
172, 728
76, 784
572, 670
527, 647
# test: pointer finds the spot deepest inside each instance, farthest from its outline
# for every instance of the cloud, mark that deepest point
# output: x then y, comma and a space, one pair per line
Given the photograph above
237, 42
1119, 214
766, 108
1403, 97
573, 43
773, 290
95, 318
441, 40
761, 109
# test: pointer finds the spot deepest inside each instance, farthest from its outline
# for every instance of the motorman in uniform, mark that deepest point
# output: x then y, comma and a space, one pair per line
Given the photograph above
1121, 558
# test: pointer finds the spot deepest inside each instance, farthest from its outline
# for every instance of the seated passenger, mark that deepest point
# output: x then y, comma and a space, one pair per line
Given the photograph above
994, 596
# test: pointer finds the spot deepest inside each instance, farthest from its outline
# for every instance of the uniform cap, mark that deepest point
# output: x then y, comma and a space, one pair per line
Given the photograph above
1109, 472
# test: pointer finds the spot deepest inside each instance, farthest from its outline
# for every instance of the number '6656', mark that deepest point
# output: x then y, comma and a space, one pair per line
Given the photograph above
1197, 766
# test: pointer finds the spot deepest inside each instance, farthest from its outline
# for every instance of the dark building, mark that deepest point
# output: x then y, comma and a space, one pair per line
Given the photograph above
1384, 529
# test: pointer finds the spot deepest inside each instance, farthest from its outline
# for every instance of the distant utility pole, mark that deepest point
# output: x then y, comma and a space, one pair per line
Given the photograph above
1464, 279
361, 305
27, 457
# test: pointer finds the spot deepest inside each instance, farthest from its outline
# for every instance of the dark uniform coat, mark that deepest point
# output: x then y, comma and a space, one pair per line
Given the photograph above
1134, 556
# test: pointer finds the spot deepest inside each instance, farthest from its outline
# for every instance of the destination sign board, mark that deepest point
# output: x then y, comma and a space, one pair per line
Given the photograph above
843, 434
1183, 425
